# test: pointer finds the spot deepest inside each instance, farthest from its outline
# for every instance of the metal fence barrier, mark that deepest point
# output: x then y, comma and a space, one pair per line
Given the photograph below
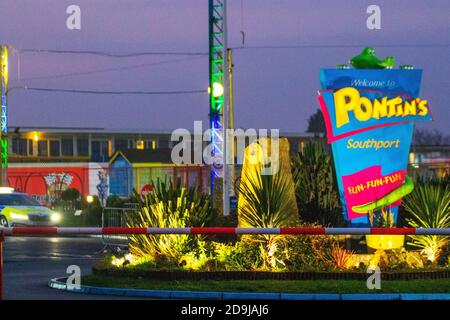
115, 217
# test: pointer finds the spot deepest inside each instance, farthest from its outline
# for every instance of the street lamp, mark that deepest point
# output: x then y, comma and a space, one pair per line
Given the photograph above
89, 198
217, 89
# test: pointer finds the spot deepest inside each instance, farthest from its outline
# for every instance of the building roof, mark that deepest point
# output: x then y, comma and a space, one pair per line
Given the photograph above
93, 130
160, 155
428, 147
86, 130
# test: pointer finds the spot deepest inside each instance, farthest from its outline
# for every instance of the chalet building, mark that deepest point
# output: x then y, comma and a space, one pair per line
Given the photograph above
430, 161
45, 161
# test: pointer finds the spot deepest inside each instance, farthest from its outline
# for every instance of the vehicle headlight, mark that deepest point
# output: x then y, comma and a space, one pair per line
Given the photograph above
19, 216
55, 217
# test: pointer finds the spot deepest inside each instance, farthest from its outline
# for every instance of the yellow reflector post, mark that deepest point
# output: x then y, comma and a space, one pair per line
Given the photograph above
385, 242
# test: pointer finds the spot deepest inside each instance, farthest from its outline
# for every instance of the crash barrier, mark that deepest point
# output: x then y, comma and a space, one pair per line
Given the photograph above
66, 231
115, 217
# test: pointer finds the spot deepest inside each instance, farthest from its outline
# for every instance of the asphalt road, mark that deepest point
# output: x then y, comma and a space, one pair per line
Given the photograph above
29, 262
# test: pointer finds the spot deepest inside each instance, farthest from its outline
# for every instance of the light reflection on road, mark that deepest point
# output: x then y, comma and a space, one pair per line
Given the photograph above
29, 262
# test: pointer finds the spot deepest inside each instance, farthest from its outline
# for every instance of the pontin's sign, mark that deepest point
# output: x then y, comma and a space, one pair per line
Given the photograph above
369, 117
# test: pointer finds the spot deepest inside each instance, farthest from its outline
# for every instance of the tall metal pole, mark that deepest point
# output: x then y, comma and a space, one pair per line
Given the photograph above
226, 183
218, 102
231, 122
4, 113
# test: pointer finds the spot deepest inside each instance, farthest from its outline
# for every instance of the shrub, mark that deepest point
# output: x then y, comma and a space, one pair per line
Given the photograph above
429, 207
244, 255
70, 194
114, 201
315, 186
340, 257
230, 220
396, 259
267, 200
201, 258
311, 253
92, 212
169, 206
69, 201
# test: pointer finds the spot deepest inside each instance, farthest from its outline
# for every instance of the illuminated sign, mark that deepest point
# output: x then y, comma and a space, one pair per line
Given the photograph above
4, 115
369, 117
349, 99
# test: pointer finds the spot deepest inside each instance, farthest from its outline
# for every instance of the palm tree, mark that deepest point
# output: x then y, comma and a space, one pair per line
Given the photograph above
169, 206
315, 183
429, 206
267, 201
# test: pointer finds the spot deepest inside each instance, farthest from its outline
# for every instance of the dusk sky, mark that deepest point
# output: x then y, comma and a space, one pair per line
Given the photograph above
274, 88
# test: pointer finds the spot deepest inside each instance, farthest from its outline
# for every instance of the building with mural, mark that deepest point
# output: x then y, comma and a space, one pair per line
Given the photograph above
43, 162
133, 169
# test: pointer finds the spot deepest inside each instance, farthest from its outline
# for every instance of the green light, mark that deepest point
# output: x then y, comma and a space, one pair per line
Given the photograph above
217, 89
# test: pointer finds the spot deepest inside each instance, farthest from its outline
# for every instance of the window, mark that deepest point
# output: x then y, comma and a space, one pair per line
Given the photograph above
67, 147
17, 200
55, 148
163, 143
83, 147
151, 144
120, 144
30, 147
19, 146
42, 148
140, 144
99, 151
